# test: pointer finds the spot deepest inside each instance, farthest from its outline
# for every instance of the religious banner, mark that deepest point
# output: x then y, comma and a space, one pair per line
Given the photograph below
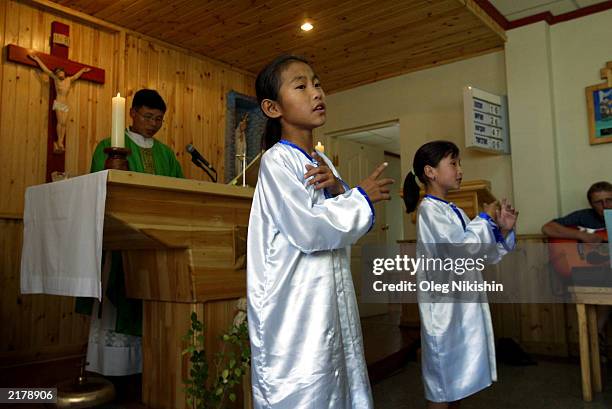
599, 108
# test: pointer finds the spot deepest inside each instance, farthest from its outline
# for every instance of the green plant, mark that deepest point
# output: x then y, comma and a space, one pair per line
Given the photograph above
231, 364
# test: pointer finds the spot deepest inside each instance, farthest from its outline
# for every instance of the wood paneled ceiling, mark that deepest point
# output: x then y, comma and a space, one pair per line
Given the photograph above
353, 42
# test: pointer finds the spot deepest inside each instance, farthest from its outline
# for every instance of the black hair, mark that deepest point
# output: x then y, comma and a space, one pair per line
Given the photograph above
148, 98
267, 85
429, 154
599, 187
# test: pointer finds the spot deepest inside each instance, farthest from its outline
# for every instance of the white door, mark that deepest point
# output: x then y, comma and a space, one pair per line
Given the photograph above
355, 162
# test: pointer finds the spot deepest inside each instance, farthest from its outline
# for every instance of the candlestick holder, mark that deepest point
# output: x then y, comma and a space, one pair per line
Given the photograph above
117, 158
242, 158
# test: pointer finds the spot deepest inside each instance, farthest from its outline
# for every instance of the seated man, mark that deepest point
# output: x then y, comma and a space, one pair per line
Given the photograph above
581, 225
114, 347
584, 221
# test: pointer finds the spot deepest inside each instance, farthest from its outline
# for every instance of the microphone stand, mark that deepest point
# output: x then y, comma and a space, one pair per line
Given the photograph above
205, 169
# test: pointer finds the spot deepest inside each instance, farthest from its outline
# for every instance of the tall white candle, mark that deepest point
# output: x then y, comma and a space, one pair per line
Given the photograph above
118, 122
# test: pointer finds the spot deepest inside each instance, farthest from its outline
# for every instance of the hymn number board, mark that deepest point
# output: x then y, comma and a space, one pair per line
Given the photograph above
486, 121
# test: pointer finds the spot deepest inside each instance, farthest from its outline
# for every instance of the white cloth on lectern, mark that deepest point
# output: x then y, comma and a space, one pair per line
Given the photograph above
63, 224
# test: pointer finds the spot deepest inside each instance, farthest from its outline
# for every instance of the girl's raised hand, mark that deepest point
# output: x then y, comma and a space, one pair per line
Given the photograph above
506, 216
376, 188
323, 177
491, 209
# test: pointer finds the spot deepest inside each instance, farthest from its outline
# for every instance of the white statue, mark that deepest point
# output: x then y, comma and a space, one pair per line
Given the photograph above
240, 143
60, 105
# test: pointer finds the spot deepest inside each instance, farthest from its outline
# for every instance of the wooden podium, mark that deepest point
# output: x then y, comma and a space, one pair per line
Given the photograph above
184, 250
470, 197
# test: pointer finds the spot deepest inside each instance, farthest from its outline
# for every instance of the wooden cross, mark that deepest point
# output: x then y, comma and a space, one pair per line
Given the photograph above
606, 73
58, 58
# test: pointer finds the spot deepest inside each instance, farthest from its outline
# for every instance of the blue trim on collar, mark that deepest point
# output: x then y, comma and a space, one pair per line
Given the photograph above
452, 206
286, 142
436, 198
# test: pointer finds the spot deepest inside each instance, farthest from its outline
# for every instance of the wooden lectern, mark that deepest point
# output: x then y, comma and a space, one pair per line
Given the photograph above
184, 250
470, 197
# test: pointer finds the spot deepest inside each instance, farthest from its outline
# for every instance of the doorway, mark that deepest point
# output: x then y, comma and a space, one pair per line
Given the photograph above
356, 153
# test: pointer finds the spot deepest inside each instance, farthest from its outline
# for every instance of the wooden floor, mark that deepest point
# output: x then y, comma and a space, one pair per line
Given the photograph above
387, 349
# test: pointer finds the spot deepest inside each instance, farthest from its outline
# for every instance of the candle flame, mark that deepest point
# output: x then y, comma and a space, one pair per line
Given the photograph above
118, 94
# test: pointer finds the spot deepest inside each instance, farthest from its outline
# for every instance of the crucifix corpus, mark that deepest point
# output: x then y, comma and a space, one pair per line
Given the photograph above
63, 72
60, 103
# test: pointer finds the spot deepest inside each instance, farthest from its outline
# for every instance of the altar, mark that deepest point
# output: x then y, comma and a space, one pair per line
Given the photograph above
184, 250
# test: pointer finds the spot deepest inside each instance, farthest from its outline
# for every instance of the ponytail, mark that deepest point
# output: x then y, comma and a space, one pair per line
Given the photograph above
272, 135
411, 192
429, 154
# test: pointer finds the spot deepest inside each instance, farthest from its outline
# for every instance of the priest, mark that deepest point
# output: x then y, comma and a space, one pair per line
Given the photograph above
114, 347
148, 155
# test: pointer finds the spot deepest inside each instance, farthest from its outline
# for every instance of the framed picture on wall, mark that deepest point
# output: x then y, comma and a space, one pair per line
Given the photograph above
599, 111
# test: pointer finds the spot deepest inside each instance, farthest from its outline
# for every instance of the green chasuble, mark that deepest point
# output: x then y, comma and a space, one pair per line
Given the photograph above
164, 160
158, 160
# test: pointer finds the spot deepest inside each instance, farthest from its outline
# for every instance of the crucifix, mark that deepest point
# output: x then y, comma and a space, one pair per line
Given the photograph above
63, 72
606, 73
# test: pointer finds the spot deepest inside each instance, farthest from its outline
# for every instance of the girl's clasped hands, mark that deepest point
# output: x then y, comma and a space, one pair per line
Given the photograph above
323, 178
504, 214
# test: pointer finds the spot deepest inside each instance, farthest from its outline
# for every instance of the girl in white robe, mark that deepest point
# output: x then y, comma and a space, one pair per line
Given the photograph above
304, 328
457, 343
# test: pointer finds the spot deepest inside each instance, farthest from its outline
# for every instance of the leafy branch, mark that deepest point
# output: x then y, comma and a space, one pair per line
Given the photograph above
231, 364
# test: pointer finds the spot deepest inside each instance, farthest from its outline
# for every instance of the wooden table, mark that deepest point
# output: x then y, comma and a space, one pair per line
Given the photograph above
587, 299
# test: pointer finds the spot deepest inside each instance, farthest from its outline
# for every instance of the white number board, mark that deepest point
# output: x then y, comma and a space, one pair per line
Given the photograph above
486, 121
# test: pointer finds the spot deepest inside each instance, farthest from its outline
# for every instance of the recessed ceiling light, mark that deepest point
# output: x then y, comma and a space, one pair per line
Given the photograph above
307, 26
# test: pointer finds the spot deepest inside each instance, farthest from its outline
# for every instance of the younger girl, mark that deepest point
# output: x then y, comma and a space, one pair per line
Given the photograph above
304, 327
458, 355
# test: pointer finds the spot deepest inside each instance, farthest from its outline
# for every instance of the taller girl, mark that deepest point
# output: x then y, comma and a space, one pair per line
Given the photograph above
306, 344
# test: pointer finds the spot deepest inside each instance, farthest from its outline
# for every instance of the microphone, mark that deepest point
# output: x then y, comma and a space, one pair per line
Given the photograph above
195, 155
198, 160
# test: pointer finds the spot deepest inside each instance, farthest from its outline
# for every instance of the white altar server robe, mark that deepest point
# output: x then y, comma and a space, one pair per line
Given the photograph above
458, 347
304, 328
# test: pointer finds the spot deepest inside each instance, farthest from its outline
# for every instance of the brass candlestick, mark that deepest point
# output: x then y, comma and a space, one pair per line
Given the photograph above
84, 391
117, 158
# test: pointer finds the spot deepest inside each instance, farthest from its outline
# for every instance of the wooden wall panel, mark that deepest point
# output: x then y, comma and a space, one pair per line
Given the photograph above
25, 96
543, 329
194, 90
41, 327
193, 87
34, 327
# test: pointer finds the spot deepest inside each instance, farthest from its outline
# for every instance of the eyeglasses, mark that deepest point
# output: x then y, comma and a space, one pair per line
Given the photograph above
151, 118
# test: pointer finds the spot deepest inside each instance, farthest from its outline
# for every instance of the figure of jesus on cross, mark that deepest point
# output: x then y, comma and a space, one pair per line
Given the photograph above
60, 105
64, 72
